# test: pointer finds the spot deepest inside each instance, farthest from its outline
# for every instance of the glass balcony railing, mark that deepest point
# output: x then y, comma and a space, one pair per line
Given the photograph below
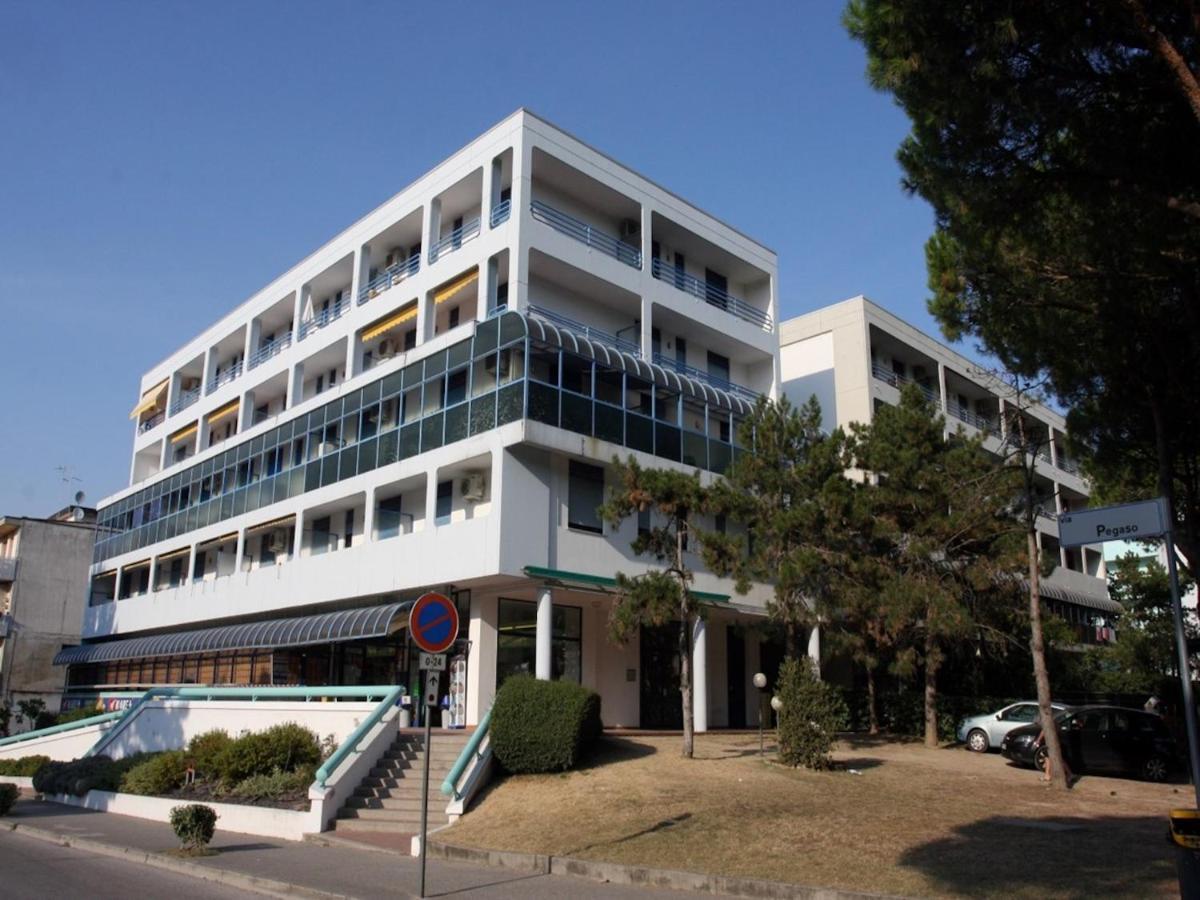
185, 399
390, 277
455, 239
224, 377
711, 294
700, 375
586, 234
154, 421
269, 349
500, 213
586, 331
326, 316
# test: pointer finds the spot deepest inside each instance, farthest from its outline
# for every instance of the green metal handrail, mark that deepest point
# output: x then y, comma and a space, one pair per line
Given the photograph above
449, 786
350, 744
59, 729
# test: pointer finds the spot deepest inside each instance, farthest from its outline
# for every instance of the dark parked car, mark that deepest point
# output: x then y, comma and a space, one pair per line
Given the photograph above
1102, 739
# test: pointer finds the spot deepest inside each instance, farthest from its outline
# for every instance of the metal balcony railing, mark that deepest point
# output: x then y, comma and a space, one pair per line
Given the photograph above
983, 423
1069, 465
185, 399
896, 380
710, 294
157, 419
224, 377
334, 311
455, 239
586, 234
500, 213
692, 372
269, 349
390, 276
586, 331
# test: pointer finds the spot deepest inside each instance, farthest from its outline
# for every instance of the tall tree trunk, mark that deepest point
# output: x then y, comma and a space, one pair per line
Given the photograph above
872, 711
791, 648
931, 669
1058, 771
685, 650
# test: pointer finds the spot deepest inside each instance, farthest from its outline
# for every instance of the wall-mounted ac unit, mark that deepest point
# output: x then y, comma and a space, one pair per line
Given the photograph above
473, 487
630, 228
387, 349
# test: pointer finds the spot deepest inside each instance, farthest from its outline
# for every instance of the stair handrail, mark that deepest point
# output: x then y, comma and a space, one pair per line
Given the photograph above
59, 729
351, 743
470, 751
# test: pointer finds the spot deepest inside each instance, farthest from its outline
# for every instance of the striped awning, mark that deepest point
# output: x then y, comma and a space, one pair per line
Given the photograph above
151, 399
184, 433
450, 288
300, 631
222, 412
1049, 590
386, 324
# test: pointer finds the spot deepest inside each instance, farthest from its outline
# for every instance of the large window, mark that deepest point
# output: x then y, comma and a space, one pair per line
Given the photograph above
585, 494
516, 651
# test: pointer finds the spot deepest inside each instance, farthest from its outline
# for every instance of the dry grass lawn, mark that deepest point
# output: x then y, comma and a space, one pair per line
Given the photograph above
913, 822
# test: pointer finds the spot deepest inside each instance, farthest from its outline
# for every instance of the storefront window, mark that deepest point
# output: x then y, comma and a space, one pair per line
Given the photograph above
516, 652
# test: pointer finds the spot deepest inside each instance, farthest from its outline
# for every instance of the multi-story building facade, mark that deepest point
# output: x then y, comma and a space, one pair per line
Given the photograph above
430, 401
854, 356
43, 586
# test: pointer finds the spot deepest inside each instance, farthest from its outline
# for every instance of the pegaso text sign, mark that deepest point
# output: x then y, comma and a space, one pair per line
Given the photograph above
1128, 522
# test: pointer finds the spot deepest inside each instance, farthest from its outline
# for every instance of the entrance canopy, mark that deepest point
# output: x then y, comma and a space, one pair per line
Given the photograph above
299, 631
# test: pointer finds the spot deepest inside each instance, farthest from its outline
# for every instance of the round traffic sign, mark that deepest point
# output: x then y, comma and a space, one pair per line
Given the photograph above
433, 623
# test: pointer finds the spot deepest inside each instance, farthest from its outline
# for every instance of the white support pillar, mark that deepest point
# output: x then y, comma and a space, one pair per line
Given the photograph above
190, 575
431, 227
814, 647
487, 196
298, 537
647, 336
210, 369
239, 555
369, 515
699, 676
545, 627
295, 385
431, 483
253, 336
942, 388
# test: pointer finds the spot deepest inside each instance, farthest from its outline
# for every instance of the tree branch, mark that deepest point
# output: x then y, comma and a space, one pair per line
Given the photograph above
1168, 54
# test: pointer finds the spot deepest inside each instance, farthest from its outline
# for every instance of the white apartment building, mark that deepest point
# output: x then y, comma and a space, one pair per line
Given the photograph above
855, 355
429, 402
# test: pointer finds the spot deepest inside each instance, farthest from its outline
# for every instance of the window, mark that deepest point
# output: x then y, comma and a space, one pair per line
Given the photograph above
585, 494
390, 517
718, 366
321, 536
348, 529
452, 317
516, 651
445, 501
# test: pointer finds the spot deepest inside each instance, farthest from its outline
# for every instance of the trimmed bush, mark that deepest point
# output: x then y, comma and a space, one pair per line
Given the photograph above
77, 777
194, 824
8, 796
543, 726
285, 747
160, 774
279, 785
205, 750
812, 713
25, 767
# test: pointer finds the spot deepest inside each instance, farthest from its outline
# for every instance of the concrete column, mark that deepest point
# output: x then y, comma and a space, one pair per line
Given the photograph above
116, 585
431, 227
253, 334
1053, 446
545, 628
699, 676
431, 483
814, 647
298, 537
1003, 419
210, 369
353, 354
295, 385
487, 197
942, 387
488, 279
240, 554
647, 336
369, 516
190, 574
152, 577
246, 411
518, 248
358, 276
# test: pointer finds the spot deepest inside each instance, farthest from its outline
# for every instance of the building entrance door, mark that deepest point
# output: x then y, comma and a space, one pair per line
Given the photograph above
660, 703
735, 667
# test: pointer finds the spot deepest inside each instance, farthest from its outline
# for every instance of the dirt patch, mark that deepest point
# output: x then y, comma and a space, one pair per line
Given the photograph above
894, 817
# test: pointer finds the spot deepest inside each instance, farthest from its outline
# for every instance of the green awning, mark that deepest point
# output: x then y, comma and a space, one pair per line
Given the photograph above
600, 584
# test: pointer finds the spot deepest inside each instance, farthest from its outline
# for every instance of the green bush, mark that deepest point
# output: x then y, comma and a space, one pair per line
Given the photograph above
205, 750
278, 785
8, 796
543, 726
811, 714
160, 774
92, 773
75, 715
194, 824
286, 747
25, 767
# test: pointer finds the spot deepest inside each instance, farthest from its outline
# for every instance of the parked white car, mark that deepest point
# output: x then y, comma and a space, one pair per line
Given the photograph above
982, 733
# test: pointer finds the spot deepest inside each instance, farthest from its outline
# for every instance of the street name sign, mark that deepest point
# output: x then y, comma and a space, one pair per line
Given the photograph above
1127, 522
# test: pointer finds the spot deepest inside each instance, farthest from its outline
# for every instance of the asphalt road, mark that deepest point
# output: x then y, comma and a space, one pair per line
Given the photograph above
35, 869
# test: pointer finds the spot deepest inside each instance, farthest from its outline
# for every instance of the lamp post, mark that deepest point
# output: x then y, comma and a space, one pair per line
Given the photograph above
760, 682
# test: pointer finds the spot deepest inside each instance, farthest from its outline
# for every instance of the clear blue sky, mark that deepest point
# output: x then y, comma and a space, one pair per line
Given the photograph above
161, 161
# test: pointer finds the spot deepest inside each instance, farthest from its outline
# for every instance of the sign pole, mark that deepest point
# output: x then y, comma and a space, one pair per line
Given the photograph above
425, 791
1185, 671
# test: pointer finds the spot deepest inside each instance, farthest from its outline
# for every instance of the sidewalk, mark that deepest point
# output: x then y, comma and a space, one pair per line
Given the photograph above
333, 871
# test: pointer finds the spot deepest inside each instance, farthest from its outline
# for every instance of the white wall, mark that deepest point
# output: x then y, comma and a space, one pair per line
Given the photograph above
64, 745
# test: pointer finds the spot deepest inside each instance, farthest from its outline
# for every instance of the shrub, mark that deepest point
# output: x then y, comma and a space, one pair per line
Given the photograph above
75, 715
25, 767
77, 777
543, 726
205, 750
812, 713
5, 718
278, 785
8, 796
160, 774
194, 824
286, 747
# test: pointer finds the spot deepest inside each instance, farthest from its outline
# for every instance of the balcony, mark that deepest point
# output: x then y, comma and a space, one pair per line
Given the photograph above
8, 568
1069, 466
185, 399
225, 377
587, 331
700, 375
155, 420
325, 317
455, 239
898, 381
500, 213
711, 294
586, 234
269, 349
983, 423
390, 277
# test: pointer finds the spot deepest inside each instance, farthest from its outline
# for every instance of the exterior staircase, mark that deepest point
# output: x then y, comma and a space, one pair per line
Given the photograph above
389, 798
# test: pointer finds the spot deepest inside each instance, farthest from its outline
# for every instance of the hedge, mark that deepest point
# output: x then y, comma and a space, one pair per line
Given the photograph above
543, 726
92, 773
160, 774
25, 767
285, 748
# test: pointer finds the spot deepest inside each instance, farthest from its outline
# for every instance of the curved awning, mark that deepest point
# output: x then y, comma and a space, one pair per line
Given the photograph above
1051, 591
299, 631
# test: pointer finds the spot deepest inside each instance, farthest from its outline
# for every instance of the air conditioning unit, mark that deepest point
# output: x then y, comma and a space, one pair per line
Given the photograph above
473, 487
630, 228
387, 349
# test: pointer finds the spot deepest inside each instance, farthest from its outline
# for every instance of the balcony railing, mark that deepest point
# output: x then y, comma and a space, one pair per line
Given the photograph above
896, 380
185, 399
224, 377
500, 213
586, 331
711, 294
983, 423
333, 312
586, 234
1069, 465
692, 372
269, 349
390, 276
454, 239
155, 420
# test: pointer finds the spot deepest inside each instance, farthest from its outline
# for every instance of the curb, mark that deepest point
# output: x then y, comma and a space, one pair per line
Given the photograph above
500, 859
214, 874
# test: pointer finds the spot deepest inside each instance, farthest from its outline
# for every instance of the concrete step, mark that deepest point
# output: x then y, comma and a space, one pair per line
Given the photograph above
407, 772
407, 804
399, 791
398, 818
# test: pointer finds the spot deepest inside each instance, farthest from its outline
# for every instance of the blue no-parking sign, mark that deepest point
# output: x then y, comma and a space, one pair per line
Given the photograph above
433, 623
